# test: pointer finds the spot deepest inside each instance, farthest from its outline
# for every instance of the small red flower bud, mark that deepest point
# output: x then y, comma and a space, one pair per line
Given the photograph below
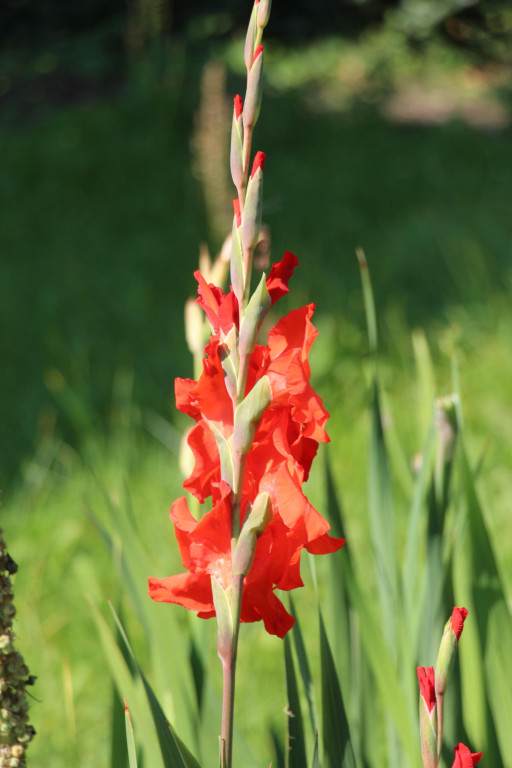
427, 683
464, 758
457, 620
236, 208
257, 52
238, 106
259, 162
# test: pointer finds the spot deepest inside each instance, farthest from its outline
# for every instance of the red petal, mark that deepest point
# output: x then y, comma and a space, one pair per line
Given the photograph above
259, 160
279, 275
257, 51
464, 758
238, 106
192, 591
206, 462
265, 605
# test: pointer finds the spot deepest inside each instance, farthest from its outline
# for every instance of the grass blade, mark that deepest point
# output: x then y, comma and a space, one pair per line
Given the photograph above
304, 669
338, 750
295, 747
130, 739
174, 752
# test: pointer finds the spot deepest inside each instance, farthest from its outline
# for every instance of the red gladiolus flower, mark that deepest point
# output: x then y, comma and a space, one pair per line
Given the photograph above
457, 620
278, 462
464, 758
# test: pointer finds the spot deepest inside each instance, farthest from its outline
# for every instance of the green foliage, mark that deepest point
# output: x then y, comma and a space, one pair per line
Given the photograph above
89, 515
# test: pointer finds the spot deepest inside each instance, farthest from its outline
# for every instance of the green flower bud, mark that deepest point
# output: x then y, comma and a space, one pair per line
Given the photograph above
448, 648
249, 413
252, 102
224, 620
258, 519
264, 13
250, 39
237, 260
254, 313
251, 220
237, 143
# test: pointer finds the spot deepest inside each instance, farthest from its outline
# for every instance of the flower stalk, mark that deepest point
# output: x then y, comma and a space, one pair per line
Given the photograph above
258, 426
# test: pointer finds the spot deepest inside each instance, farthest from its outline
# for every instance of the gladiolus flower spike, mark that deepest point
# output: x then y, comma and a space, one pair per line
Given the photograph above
464, 758
277, 463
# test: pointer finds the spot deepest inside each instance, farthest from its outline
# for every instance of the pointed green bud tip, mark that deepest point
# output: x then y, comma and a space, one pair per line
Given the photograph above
448, 648
249, 413
254, 88
464, 758
224, 619
250, 37
236, 151
251, 220
263, 13
259, 517
236, 261
253, 316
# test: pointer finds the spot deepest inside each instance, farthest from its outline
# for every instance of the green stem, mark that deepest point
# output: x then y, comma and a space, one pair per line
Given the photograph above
229, 672
440, 718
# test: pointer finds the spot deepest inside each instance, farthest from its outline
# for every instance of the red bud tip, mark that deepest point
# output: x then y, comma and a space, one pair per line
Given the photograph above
256, 2
427, 683
464, 758
238, 106
259, 162
457, 620
257, 52
236, 208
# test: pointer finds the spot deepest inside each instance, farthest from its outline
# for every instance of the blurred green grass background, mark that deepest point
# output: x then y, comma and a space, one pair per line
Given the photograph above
103, 205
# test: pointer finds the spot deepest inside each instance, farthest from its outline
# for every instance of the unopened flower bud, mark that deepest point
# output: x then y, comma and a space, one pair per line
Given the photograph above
428, 717
250, 39
448, 648
464, 758
249, 413
224, 619
263, 13
254, 89
194, 327
258, 519
237, 261
228, 353
254, 313
237, 140
251, 221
